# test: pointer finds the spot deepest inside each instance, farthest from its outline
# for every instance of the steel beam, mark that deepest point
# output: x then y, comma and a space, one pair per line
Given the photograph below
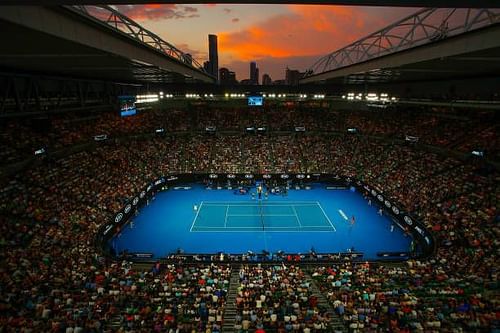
428, 25
67, 25
24, 94
484, 39
391, 3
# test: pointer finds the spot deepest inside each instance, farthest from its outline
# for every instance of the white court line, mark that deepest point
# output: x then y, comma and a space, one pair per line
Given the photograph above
343, 215
253, 215
228, 204
254, 205
208, 227
260, 230
268, 202
296, 216
225, 218
328, 219
196, 216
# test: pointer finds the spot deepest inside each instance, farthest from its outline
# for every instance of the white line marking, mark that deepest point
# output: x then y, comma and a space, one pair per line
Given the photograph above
253, 202
327, 218
229, 228
258, 215
196, 216
208, 227
264, 205
343, 214
225, 218
296, 216
260, 230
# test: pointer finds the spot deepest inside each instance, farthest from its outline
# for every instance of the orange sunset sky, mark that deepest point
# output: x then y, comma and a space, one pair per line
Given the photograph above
275, 36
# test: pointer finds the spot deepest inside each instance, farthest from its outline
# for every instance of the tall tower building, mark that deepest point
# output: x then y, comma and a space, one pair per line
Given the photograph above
213, 56
254, 73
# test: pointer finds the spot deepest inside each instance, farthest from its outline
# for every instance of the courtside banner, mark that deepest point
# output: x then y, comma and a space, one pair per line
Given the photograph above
135, 203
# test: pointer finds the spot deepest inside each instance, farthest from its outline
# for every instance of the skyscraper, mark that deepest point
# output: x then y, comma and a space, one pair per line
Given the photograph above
213, 56
254, 73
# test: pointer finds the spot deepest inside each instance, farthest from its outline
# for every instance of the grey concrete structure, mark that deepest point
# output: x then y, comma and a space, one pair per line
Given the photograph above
68, 41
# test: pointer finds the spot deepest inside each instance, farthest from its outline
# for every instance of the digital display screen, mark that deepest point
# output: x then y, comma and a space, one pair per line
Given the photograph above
255, 100
127, 106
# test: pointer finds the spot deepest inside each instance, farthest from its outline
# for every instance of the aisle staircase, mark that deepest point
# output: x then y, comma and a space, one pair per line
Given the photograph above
336, 322
230, 309
115, 323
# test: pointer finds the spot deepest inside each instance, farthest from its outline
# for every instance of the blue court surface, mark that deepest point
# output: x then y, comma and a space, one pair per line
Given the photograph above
318, 218
259, 215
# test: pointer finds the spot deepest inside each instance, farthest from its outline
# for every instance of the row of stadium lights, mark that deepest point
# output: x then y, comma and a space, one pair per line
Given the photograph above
318, 96
371, 97
234, 95
151, 98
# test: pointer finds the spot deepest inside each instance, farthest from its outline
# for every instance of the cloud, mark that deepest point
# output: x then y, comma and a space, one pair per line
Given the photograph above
155, 12
235, 20
304, 31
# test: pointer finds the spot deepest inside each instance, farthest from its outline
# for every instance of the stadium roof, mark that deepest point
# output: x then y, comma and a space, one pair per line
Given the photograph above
394, 3
431, 44
69, 41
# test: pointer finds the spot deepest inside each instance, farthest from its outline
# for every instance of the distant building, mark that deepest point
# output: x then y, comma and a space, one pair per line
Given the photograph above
266, 80
246, 82
292, 77
279, 82
227, 77
254, 73
213, 56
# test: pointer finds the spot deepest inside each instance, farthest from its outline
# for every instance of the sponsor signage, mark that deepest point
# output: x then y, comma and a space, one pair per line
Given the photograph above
108, 229
118, 217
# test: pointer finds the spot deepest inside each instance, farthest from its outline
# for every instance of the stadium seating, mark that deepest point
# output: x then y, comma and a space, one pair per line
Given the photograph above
54, 279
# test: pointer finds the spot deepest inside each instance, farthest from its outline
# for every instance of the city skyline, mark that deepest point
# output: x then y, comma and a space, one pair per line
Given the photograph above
274, 36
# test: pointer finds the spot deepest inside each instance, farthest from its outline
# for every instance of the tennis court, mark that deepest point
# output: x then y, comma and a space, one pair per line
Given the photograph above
258, 215
233, 223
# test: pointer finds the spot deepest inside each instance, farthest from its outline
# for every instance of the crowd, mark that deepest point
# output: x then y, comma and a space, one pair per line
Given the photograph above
54, 279
420, 297
277, 298
463, 131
